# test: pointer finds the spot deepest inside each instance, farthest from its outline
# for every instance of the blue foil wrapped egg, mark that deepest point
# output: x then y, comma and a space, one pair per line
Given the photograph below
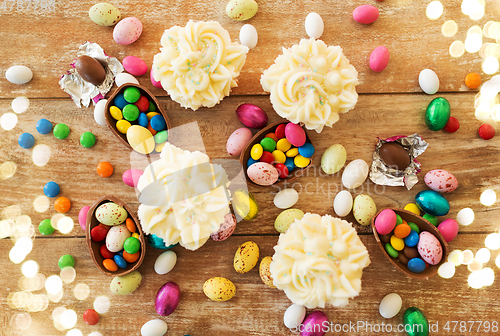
432, 203
156, 242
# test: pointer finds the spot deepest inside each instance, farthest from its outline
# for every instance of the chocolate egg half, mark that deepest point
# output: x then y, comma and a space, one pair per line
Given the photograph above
394, 155
90, 69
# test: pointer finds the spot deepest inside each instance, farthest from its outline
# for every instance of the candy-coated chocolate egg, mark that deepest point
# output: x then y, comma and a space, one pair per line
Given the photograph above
154, 327
397, 243
432, 219
238, 140
437, 114
268, 144
286, 218
226, 229
364, 209
104, 14
244, 204
131, 177
279, 156
265, 272
313, 324
111, 213
306, 150
272, 136
452, 125
283, 145
131, 258
286, 198
415, 318
412, 239
241, 10
391, 251
486, 131
158, 123
428, 81
342, 204
116, 113
116, 238
294, 315
120, 262
141, 139
385, 221
165, 262
91, 317
365, 14
167, 298
127, 31
132, 244
403, 258
251, 162
124, 78
99, 115
122, 126
155, 83
416, 265
314, 25
432, 203
441, 181
414, 227
82, 217
301, 161
125, 284
293, 152
449, 229
98, 233
295, 134
402, 231
280, 131
355, 173
430, 248
411, 252
105, 253
333, 159
390, 305
262, 173
249, 36
219, 289
379, 59
19, 74
110, 265
289, 164
135, 65
256, 151
246, 257
412, 207
473, 80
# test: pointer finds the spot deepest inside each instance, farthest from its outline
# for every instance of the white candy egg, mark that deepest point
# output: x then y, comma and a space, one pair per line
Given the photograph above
116, 237
342, 204
428, 81
286, 198
154, 327
165, 262
100, 112
390, 305
123, 78
249, 36
314, 25
294, 316
19, 74
355, 173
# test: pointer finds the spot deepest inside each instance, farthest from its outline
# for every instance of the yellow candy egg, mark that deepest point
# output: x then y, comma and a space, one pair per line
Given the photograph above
412, 207
244, 204
301, 161
122, 126
397, 243
116, 113
246, 257
284, 145
292, 152
279, 156
159, 147
219, 289
141, 139
256, 151
151, 115
265, 272
135, 235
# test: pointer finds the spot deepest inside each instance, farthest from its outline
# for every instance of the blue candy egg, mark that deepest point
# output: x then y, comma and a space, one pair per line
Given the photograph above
158, 123
432, 203
289, 164
251, 162
51, 189
412, 239
306, 150
26, 140
156, 242
143, 120
120, 253
416, 265
120, 261
119, 101
43, 126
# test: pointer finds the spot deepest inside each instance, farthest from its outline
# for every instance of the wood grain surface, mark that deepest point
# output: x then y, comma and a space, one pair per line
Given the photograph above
390, 103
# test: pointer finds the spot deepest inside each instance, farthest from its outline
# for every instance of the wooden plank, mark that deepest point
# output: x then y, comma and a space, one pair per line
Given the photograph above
47, 41
256, 309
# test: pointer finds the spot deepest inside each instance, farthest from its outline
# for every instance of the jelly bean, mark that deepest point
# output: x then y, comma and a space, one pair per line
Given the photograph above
282, 170
306, 150
251, 162
301, 161
150, 115
280, 131
119, 261
91, 317
135, 235
161, 136
152, 107
473, 80
106, 254
153, 132
122, 126
104, 169
289, 164
87, 139
61, 131
131, 94
142, 104
130, 112
412, 207
256, 151
486, 131
143, 120
132, 245
399, 220
279, 156
431, 218
116, 113
402, 231
43, 126
267, 157
397, 243
292, 152
272, 136
158, 123
131, 257
129, 222
416, 265
268, 144
110, 265
452, 125
66, 261
412, 239
62, 205
26, 140
98, 233
45, 227
119, 101
391, 251
283, 145
51, 189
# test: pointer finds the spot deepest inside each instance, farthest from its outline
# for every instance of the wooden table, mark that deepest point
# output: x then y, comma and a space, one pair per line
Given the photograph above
390, 103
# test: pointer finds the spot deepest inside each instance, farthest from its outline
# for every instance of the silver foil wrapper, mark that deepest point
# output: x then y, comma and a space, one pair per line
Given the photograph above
382, 174
81, 91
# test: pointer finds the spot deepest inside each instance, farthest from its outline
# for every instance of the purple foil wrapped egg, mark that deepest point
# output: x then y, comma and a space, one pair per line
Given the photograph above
167, 298
226, 229
251, 116
314, 324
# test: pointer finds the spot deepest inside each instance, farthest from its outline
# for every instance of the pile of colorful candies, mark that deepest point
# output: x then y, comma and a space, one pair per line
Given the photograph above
278, 154
137, 117
119, 232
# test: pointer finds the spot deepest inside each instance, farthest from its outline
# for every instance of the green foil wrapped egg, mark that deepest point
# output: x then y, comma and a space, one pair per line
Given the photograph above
156, 242
437, 114
415, 322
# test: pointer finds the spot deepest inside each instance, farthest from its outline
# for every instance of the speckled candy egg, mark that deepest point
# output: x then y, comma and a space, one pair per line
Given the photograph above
246, 257
262, 173
226, 229
111, 213
238, 140
441, 181
241, 10
127, 31
430, 248
104, 14
364, 209
265, 272
116, 237
126, 284
219, 289
286, 218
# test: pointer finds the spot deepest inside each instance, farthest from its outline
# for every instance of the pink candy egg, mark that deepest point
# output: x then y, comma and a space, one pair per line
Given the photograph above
441, 181
262, 173
430, 248
155, 83
226, 229
379, 59
131, 177
238, 140
82, 217
127, 30
365, 14
385, 221
295, 134
449, 229
313, 324
135, 65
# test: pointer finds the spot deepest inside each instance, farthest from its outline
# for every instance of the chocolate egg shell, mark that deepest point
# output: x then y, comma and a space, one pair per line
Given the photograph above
90, 69
394, 155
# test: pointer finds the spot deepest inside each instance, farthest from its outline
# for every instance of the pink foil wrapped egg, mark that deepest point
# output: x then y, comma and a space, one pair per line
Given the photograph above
262, 173
167, 298
441, 181
430, 248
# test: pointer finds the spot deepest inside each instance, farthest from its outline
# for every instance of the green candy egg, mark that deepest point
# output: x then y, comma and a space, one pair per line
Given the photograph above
399, 220
61, 131
286, 218
131, 94
415, 322
437, 114
333, 159
45, 227
268, 144
431, 218
132, 245
66, 261
126, 284
414, 227
87, 139
391, 251
241, 10
104, 14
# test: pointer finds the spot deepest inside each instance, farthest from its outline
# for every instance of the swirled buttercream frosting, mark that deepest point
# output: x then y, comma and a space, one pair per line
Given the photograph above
319, 260
311, 83
183, 197
198, 64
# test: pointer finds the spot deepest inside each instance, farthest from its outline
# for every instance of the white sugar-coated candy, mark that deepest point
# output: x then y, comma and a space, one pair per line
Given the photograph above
100, 112
286, 198
465, 216
249, 36
314, 25
355, 173
294, 316
390, 305
154, 327
19, 74
342, 204
428, 81
165, 262
124, 78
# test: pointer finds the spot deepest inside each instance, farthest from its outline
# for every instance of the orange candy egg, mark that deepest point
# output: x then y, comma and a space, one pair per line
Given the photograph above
62, 205
110, 265
131, 257
104, 169
129, 223
151, 130
402, 230
473, 80
272, 136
